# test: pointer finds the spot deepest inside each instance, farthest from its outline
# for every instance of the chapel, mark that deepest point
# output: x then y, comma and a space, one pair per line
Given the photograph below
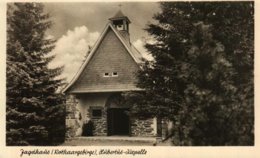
94, 94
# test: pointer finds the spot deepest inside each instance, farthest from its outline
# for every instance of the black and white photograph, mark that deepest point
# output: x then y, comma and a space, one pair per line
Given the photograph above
167, 74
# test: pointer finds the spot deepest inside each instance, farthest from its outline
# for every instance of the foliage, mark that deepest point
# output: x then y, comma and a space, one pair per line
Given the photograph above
202, 74
33, 108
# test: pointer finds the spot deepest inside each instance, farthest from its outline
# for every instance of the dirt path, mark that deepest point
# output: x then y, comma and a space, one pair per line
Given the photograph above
86, 142
105, 143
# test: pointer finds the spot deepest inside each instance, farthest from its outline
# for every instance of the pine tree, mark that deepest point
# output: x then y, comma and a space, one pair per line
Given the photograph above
202, 74
31, 85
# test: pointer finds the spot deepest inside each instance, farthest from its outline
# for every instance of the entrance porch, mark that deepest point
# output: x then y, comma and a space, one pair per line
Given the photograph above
107, 115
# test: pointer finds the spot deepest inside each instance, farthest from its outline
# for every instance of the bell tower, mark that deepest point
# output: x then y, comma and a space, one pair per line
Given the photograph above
121, 23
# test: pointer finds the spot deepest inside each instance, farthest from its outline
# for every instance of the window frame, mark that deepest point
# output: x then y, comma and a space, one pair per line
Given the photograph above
108, 75
96, 108
114, 75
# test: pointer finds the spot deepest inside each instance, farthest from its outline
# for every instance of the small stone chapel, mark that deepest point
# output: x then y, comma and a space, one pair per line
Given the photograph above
94, 94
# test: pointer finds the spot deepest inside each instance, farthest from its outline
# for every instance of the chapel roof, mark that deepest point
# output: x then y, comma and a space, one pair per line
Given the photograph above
134, 53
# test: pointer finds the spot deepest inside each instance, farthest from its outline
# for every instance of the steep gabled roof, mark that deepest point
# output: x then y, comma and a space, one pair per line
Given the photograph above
135, 54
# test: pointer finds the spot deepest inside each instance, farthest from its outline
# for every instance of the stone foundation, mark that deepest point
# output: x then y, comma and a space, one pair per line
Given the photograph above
73, 116
79, 108
142, 127
100, 124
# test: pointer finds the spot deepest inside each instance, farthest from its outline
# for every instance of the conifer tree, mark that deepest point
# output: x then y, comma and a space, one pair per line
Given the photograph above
202, 74
32, 101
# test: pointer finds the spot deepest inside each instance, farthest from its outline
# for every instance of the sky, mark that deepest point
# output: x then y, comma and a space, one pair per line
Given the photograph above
76, 26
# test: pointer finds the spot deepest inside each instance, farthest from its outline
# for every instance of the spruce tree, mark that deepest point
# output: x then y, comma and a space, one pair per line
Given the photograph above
202, 74
31, 85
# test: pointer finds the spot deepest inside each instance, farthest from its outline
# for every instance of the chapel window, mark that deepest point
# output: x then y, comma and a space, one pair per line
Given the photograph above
106, 74
114, 74
96, 113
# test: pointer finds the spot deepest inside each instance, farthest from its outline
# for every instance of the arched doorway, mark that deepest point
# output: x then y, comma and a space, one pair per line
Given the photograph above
118, 121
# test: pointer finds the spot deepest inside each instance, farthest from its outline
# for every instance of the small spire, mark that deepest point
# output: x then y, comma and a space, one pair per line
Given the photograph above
120, 15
